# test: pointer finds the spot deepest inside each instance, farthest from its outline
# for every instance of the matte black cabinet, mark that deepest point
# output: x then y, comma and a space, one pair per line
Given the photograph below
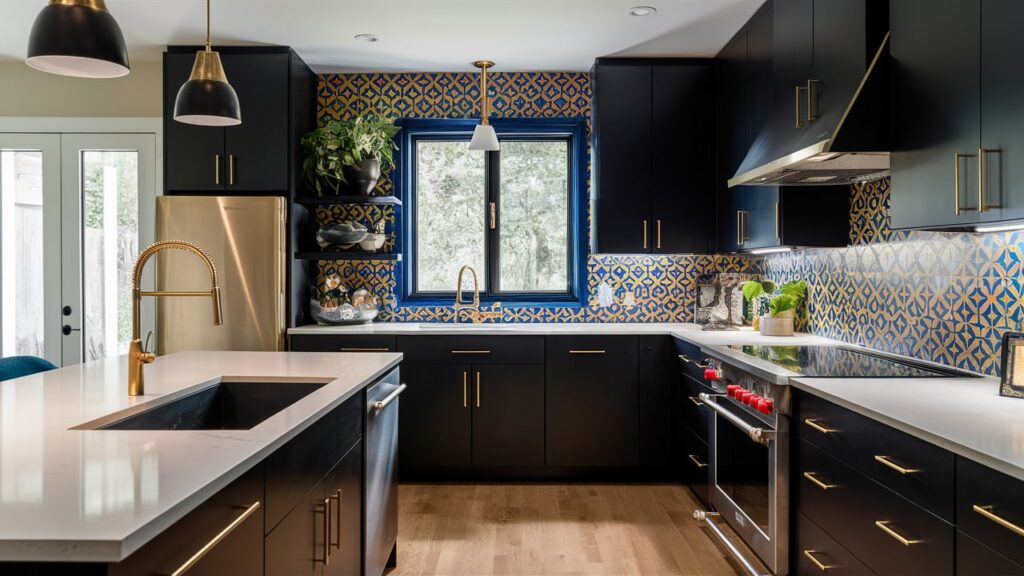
343, 491
508, 415
793, 62
592, 401
275, 93
756, 217
653, 142
298, 545
436, 423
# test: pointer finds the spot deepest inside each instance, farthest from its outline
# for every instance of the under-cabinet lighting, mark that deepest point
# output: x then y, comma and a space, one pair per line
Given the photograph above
1002, 228
772, 250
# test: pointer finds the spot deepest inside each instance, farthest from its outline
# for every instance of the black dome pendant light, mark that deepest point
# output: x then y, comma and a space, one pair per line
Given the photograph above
207, 99
77, 38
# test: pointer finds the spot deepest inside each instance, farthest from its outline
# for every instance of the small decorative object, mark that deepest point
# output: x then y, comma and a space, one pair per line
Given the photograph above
373, 242
344, 234
333, 292
782, 304
361, 296
347, 157
1012, 365
720, 300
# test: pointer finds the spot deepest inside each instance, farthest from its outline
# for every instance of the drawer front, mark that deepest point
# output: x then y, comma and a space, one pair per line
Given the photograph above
346, 343
446, 349
990, 508
883, 530
693, 453
818, 553
920, 472
293, 469
975, 559
691, 359
694, 413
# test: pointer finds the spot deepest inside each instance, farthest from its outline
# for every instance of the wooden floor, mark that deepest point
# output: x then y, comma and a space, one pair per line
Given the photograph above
544, 529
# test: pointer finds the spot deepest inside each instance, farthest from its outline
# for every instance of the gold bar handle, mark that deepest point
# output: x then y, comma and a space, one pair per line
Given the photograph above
983, 204
465, 389
987, 512
337, 518
739, 228
231, 169
195, 558
809, 554
216, 169
327, 531
657, 243
477, 388
885, 460
645, 234
471, 351
777, 236
696, 401
799, 120
493, 209
812, 476
811, 115
586, 351
365, 349
813, 423
696, 461
884, 525
957, 209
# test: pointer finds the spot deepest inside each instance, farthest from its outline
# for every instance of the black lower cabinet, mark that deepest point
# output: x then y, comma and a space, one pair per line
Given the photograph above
657, 364
817, 552
343, 488
297, 546
592, 401
692, 452
508, 415
975, 559
436, 420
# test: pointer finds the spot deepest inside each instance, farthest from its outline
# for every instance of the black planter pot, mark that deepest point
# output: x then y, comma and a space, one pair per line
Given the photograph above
361, 178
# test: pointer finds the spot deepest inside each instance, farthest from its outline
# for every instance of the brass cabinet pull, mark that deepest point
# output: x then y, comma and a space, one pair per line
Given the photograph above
799, 120
987, 512
471, 351
811, 115
231, 169
195, 558
812, 476
888, 462
809, 554
696, 401
813, 423
884, 525
957, 209
586, 351
686, 359
327, 531
216, 169
777, 237
696, 461
739, 228
365, 349
645, 234
983, 205
494, 214
337, 518
465, 389
657, 242
477, 388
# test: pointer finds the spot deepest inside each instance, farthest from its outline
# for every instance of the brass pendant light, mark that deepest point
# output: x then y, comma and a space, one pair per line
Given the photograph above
77, 38
484, 137
207, 99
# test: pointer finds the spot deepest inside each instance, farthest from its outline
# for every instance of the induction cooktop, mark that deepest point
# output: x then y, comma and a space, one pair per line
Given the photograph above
842, 362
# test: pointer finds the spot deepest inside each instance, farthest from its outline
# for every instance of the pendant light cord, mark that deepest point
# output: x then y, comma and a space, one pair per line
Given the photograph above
208, 44
484, 112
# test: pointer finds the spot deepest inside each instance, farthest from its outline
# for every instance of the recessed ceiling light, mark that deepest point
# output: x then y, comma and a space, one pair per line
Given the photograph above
643, 10
368, 38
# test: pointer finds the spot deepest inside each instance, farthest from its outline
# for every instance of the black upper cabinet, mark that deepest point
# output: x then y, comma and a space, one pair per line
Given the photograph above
793, 60
653, 137
275, 91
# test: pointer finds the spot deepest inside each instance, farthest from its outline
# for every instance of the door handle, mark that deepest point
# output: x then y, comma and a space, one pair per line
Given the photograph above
327, 531
195, 558
337, 518
777, 237
657, 242
465, 389
983, 204
478, 389
231, 169
380, 405
645, 234
811, 115
799, 119
216, 169
67, 329
493, 209
957, 209
884, 525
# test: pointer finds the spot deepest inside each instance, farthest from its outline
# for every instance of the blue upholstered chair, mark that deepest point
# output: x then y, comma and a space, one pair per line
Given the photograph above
18, 366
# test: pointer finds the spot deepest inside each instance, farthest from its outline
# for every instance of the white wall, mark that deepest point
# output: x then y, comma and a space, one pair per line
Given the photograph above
25, 91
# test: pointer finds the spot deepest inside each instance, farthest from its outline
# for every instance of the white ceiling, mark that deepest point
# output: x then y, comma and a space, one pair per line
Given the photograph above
419, 35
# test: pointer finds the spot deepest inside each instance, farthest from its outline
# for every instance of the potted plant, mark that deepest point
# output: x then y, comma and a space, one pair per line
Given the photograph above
782, 304
347, 156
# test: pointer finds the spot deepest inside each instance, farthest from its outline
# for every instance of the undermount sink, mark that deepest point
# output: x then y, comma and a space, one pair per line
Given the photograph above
221, 406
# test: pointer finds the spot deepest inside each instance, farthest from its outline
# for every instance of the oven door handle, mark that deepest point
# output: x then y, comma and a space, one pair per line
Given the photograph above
759, 435
705, 517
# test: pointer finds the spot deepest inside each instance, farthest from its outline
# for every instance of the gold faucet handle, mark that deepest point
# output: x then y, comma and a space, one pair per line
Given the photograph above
146, 356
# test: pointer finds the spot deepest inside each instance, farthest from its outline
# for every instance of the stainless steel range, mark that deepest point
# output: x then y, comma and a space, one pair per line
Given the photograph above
748, 437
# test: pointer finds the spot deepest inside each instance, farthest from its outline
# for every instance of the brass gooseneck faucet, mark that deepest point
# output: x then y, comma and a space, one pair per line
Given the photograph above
139, 355
477, 314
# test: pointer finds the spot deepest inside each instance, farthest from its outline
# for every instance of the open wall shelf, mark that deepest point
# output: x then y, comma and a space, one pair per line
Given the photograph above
348, 256
336, 200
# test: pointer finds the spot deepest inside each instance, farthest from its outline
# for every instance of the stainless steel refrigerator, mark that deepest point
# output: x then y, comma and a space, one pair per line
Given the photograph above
245, 237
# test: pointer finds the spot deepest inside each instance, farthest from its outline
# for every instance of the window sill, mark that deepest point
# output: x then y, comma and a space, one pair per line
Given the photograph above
567, 303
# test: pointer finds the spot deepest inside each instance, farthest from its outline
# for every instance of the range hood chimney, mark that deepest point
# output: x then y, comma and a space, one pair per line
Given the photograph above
840, 147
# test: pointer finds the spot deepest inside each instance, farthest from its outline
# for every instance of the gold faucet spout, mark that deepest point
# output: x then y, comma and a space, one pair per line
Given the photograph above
138, 356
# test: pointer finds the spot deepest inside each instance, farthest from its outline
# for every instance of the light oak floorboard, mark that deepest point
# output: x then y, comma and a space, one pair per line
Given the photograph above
552, 529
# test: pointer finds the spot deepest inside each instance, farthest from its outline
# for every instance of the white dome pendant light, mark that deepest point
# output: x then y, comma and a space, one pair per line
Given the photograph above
484, 137
207, 99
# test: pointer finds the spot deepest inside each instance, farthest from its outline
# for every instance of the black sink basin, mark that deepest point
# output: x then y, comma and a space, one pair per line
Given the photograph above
222, 406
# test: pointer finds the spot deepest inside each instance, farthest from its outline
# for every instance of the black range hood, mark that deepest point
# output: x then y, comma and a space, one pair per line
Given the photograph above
843, 145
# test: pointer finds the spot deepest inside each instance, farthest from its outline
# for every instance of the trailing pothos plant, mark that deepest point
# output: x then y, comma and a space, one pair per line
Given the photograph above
782, 299
341, 143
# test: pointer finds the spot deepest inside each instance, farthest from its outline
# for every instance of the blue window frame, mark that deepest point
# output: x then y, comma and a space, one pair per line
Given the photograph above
421, 137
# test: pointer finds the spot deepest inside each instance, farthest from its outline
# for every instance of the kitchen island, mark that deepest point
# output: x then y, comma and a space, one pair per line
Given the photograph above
71, 493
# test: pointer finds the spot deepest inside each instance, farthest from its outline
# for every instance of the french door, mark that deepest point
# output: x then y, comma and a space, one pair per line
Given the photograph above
74, 209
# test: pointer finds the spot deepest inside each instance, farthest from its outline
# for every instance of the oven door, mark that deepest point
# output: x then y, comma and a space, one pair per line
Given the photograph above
749, 477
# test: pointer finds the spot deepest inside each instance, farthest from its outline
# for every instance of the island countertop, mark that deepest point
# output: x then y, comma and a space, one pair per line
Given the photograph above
99, 495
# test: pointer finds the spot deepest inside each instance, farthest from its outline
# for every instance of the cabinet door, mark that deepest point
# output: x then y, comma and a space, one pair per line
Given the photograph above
759, 85
257, 149
298, 545
763, 226
975, 559
435, 424
194, 155
1002, 99
508, 415
344, 489
935, 111
592, 401
622, 158
732, 67
792, 56
731, 203
683, 198
657, 371
841, 55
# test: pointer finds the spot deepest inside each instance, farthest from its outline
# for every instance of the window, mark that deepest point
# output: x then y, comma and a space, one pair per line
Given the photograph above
513, 215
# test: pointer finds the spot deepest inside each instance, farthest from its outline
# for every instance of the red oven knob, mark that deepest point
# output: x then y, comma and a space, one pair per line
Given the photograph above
744, 396
766, 405
713, 374
752, 400
732, 389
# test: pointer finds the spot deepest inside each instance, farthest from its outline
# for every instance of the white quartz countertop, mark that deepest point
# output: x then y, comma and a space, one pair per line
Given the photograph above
495, 328
99, 495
